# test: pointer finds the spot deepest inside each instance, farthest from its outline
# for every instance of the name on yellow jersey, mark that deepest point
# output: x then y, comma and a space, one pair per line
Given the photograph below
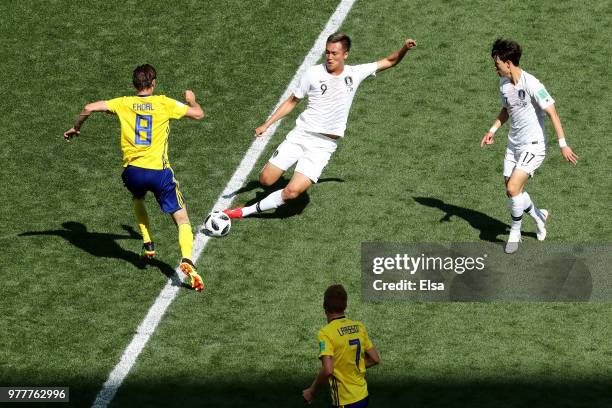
142, 106
348, 330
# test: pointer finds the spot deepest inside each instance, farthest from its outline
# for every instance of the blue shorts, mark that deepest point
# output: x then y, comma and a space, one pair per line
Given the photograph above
160, 182
359, 404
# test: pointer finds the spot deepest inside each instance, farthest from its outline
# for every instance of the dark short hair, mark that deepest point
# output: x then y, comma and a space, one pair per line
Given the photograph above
143, 76
334, 300
506, 50
341, 38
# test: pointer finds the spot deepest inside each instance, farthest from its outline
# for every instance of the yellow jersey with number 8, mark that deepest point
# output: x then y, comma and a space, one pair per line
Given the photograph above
145, 126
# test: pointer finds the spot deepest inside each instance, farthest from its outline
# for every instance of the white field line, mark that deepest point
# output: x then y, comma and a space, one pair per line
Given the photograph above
169, 292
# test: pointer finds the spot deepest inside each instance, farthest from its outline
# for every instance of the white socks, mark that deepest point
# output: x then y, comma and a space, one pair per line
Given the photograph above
530, 208
274, 200
516, 211
520, 203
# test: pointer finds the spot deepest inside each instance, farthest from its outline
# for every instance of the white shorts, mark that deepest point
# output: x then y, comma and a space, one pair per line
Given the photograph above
526, 158
310, 150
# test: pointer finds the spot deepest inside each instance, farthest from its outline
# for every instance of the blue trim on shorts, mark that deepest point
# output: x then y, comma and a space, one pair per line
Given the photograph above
359, 404
160, 182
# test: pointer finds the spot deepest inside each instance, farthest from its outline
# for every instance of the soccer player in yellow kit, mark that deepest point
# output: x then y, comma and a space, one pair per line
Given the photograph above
345, 351
145, 126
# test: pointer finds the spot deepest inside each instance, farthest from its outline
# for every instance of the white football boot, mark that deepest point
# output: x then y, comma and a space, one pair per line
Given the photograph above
541, 224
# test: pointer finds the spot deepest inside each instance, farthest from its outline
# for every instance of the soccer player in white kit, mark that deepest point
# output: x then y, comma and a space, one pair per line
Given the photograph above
330, 88
524, 101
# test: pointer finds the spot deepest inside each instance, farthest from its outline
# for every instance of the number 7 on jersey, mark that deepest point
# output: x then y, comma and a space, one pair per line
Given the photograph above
356, 342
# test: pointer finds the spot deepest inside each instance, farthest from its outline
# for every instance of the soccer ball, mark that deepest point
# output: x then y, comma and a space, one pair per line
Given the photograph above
217, 224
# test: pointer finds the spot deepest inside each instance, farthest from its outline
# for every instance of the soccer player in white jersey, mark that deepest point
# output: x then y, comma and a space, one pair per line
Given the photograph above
330, 88
524, 101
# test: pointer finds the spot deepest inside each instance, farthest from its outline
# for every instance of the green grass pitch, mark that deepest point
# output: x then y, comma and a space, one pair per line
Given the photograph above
73, 289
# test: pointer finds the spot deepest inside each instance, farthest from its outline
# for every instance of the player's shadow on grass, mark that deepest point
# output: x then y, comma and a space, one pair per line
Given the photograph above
104, 245
489, 227
281, 183
291, 208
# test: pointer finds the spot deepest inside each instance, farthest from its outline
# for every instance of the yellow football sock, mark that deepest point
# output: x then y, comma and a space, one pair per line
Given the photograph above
143, 219
185, 240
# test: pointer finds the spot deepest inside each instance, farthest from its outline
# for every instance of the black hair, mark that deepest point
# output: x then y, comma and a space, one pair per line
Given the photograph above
506, 50
143, 76
334, 300
341, 38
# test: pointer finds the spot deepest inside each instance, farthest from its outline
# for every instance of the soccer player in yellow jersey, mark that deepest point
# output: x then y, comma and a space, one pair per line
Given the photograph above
345, 351
145, 126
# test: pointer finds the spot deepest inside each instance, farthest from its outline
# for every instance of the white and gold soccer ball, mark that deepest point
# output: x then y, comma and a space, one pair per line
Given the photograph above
217, 224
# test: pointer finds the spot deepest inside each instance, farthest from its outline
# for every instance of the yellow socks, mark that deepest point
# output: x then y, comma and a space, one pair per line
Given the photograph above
185, 240
143, 219
185, 235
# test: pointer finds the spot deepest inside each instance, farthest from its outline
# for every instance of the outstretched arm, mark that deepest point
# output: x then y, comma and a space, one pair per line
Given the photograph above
281, 112
501, 119
75, 130
566, 151
396, 57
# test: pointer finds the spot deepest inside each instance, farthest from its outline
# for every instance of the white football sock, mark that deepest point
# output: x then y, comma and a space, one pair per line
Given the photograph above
530, 208
516, 211
274, 200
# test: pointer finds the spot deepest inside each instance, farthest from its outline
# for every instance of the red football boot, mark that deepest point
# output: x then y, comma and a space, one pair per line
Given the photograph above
233, 212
